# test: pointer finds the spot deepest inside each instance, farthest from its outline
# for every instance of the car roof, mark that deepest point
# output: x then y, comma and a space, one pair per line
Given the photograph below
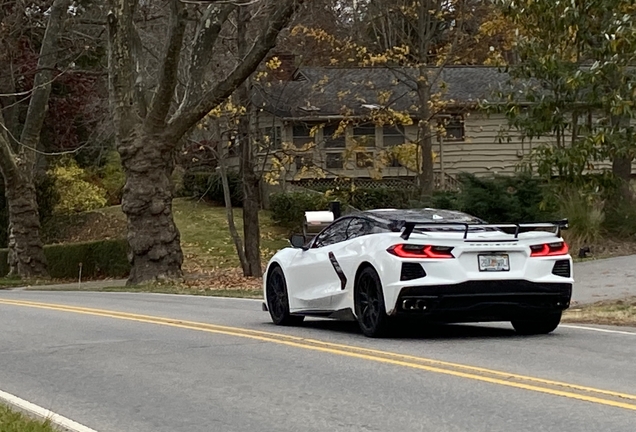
423, 215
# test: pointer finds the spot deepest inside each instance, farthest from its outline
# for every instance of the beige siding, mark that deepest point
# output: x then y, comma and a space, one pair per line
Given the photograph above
488, 148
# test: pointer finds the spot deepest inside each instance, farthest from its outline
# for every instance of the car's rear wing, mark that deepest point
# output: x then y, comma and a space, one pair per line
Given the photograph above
407, 227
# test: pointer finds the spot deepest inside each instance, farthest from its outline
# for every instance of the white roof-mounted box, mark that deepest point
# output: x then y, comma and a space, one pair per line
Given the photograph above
318, 217
315, 221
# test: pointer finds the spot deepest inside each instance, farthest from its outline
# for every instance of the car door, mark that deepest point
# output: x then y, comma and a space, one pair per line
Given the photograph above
311, 277
345, 256
349, 254
329, 266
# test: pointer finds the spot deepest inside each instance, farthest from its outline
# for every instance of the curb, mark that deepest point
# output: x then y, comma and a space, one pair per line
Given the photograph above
34, 410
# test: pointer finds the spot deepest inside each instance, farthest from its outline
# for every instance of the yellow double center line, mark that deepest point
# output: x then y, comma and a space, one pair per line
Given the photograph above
555, 388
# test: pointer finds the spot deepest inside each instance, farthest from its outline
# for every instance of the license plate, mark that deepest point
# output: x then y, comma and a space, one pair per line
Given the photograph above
494, 263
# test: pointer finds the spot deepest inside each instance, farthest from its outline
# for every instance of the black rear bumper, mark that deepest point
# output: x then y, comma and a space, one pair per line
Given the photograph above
483, 300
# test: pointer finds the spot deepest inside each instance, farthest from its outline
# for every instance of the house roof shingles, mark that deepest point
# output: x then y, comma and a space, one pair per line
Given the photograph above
333, 91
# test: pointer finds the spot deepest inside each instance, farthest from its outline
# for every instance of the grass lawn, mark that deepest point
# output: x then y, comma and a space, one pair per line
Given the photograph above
7, 282
618, 312
10, 282
206, 240
210, 258
210, 263
14, 421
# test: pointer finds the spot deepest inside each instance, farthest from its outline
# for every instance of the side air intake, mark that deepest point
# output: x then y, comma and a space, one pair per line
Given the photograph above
562, 268
412, 271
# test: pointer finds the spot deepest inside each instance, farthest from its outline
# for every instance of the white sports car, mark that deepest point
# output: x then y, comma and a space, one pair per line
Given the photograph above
379, 265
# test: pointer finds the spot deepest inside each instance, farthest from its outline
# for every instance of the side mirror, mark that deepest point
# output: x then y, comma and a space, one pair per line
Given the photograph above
298, 241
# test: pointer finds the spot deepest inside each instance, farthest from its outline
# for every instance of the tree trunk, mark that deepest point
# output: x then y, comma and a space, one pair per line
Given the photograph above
251, 201
26, 253
622, 162
622, 169
147, 139
155, 251
229, 214
425, 141
427, 179
251, 228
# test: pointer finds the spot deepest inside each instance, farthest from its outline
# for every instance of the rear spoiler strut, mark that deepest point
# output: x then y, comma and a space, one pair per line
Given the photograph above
409, 226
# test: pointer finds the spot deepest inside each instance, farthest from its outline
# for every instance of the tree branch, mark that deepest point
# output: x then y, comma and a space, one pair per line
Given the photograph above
121, 68
8, 108
42, 82
208, 31
160, 104
278, 19
101, 22
7, 159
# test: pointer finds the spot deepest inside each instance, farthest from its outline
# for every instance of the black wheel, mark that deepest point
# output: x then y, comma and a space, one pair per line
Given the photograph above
540, 324
369, 304
278, 301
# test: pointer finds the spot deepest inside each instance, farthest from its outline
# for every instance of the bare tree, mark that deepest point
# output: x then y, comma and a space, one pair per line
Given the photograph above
429, 30
18, 159
148, 138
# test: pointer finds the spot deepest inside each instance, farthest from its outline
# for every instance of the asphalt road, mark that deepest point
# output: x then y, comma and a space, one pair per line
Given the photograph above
115, 370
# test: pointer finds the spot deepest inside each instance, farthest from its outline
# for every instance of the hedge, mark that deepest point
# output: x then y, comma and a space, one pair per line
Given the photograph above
495, 199
288, 209
503, 198
100, 259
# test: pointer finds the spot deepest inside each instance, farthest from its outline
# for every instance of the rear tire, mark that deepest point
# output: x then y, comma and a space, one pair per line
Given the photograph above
369, 304
278, 299
540, 324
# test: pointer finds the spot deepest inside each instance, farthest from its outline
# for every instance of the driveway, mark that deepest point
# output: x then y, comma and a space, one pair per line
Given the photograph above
604, 279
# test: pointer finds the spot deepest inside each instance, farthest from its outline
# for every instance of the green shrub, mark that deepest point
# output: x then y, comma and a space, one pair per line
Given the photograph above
585, 216
208, 185
288, 209
373, 198
112, 178
446, 200
76, 193
502, 198
620, 219
46, 195
100, 259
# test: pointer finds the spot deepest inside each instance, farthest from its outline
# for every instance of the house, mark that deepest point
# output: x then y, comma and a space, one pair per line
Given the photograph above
306, 108
302, 111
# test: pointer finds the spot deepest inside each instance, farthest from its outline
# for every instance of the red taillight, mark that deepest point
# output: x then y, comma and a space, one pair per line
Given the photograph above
549, 249
420, 251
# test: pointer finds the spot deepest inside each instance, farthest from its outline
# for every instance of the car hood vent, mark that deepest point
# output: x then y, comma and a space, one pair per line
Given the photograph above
562, 268
412, 271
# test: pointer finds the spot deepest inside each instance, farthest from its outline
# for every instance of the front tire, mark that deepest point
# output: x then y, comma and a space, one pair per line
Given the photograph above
278, 299
369, 304
540, 324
